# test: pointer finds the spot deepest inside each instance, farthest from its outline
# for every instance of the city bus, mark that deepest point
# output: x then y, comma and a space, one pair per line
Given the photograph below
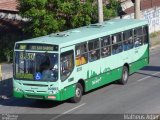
65, 65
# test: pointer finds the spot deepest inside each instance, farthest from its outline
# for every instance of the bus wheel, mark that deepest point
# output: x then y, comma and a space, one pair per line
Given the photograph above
125, 75
78, 93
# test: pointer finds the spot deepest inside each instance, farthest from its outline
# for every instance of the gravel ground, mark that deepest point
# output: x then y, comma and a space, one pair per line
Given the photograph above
155, 40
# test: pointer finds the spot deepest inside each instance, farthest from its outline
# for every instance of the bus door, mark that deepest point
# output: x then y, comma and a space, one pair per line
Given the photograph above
67, 69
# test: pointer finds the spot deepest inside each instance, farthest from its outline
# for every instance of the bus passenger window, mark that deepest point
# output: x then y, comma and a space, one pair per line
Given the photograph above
114, 39
106, 51
137, 42
116, 43
81, 59
128, 40
94, 55
94, 50
67, 64
138, 37
130, 44
81, 54
94, 44
105, 46
117, 48
145, 33
125, 45
105, 41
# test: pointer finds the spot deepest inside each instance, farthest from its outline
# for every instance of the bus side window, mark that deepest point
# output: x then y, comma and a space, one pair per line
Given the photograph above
145, 34
106, 51
127, 40
67, 64
105, 46
116, 43
81, 54
138, 37
94, 50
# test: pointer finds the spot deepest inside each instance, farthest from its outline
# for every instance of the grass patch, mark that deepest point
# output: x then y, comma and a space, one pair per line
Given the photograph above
154, 43
155, 34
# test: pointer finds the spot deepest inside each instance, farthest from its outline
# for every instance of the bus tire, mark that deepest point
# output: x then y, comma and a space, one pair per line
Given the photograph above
78, 93
125, 75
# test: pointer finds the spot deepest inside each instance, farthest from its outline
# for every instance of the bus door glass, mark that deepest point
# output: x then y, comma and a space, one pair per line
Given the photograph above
67, 65
127, 43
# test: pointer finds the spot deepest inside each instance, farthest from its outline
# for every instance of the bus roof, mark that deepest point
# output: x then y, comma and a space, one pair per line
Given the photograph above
85, 33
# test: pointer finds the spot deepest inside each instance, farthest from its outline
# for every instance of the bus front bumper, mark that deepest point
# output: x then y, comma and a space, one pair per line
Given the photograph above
42, 96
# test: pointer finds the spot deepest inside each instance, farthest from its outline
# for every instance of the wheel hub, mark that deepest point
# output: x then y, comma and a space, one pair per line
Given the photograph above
125, 75
78, 92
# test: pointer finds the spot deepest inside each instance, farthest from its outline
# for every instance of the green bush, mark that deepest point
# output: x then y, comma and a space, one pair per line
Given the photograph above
2, 56
8, 52
154, 34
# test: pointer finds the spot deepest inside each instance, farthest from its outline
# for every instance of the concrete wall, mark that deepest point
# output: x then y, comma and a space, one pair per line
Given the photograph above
12, 16
152, 16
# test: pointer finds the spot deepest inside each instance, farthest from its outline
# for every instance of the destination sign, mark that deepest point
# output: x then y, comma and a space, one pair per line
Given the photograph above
41, 47
37, 47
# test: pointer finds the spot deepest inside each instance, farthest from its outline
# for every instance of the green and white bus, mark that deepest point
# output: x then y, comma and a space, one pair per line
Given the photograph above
65, 65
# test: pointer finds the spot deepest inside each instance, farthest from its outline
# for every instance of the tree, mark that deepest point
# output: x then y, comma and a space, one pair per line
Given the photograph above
49, 16
113, 9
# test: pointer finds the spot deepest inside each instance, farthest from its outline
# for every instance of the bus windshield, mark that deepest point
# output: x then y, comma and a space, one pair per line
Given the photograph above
36, 66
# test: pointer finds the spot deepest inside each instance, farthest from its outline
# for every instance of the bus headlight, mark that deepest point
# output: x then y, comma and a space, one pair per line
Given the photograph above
53, 92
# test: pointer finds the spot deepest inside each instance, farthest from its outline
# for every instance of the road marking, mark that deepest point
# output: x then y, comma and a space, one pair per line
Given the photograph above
68, 111
147, 77
74, 108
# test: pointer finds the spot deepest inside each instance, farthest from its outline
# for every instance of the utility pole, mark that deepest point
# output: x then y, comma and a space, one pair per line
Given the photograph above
137, 9
100, 11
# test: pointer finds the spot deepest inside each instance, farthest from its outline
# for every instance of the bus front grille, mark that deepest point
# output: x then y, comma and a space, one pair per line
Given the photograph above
39, 85
41, 91
34, 96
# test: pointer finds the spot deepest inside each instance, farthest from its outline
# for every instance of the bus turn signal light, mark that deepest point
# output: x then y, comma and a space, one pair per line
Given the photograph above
51, 97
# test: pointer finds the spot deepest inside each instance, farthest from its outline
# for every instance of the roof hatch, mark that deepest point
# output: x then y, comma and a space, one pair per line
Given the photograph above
61, 34
95, 26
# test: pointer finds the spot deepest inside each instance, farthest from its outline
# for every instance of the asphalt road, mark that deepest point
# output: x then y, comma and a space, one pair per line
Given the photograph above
141, 95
